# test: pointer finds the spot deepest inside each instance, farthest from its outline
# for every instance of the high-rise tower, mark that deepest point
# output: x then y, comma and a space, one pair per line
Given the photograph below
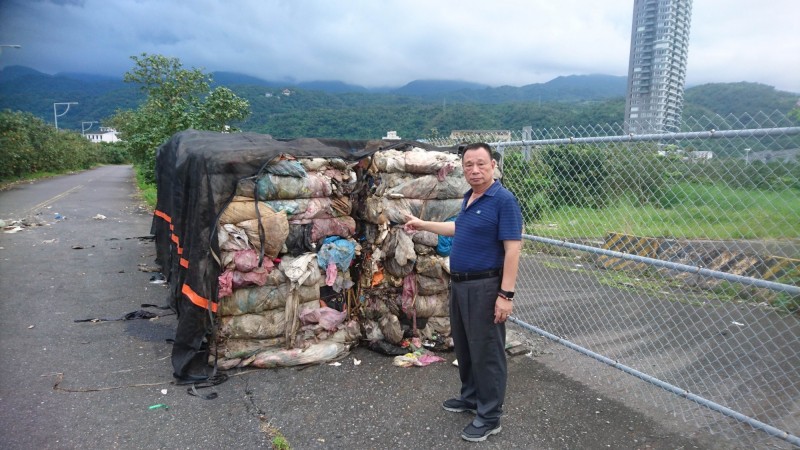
657, 66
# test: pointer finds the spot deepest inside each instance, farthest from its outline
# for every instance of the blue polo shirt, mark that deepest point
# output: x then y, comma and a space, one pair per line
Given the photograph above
481, 229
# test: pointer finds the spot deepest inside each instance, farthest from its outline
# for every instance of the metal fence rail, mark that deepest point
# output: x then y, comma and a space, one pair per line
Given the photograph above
674, 257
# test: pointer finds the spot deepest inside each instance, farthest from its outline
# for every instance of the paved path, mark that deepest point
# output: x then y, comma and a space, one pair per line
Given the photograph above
110, 373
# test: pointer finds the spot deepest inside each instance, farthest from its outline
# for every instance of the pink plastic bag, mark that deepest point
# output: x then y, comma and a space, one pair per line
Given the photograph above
327, 318
246, 260
225, 284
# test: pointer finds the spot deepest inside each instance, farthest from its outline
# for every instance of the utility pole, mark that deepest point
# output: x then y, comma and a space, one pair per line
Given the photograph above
56, 116
84, 130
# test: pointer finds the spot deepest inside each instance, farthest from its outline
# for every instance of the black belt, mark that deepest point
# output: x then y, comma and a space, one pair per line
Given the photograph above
466, 276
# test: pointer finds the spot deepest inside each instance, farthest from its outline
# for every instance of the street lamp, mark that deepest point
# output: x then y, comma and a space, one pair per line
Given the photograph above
56, 116
84, 130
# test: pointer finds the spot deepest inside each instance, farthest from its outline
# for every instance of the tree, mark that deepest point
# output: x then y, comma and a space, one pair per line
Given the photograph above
795, 114
29, 145
221, 107
177, 99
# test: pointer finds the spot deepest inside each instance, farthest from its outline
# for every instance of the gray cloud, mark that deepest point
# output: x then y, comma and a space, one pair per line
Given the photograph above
392, 42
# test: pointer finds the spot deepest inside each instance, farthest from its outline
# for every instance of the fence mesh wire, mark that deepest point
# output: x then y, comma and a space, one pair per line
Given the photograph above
722, 197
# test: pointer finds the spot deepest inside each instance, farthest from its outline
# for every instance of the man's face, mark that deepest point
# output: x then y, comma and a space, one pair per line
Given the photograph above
478, 168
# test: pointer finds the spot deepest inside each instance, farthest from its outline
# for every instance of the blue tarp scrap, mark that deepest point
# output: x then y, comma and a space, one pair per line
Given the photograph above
338, 250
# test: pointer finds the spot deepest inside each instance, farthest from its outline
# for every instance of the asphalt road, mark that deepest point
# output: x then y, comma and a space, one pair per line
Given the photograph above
67, 384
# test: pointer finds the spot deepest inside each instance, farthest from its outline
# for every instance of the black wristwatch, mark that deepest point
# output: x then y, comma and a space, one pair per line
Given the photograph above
508, 295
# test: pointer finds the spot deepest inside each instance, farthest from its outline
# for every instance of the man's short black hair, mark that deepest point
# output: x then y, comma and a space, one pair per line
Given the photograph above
476, 146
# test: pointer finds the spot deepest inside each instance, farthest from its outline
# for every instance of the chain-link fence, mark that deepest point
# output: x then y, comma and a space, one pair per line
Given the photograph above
673, 257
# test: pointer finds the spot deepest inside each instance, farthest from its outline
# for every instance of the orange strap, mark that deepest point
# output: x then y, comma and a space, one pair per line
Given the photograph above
193, 296
197, 299
163, 215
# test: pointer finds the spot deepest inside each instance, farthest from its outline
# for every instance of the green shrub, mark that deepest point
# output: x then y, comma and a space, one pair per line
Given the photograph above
28, 145
526, 178
578, 175
114, 153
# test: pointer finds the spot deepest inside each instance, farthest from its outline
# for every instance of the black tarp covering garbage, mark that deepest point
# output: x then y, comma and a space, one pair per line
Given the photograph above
197, 174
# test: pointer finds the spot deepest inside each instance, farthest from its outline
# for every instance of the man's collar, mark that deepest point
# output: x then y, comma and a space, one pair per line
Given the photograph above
490, 191
493, 188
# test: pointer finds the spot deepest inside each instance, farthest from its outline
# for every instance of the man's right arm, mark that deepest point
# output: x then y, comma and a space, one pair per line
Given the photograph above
441, 228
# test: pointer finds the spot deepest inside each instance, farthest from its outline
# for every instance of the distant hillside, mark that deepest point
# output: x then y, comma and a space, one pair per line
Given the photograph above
231, 79
738, 98
562, 89
234, 79
331, 87
337, 109
426, 88
11, 73
25, 89
88, 77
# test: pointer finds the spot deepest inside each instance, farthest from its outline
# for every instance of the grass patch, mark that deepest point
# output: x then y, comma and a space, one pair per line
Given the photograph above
147, 190
277, 439
697, 211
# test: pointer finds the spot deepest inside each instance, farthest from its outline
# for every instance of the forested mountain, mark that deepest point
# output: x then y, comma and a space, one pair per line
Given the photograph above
419, 109
25, 89
738, 98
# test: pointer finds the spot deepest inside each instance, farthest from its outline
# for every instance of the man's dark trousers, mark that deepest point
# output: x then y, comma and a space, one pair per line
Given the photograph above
479, 346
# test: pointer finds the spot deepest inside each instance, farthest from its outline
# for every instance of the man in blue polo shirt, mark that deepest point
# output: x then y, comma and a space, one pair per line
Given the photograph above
487, 241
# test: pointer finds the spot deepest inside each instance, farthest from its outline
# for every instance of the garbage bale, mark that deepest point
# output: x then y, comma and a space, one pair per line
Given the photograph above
254, 300
275, 228
301, 202
429, 185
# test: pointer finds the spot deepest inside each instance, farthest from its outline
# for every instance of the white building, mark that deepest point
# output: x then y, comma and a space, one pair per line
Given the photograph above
657, 66
104, 135
701, 155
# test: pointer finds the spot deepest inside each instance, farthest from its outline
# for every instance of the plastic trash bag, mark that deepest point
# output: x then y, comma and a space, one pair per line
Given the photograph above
286, 167
418, 359
244, 208
337, 250
324, 351
275, 187
276, 230
301, 270
328, 318
257, 299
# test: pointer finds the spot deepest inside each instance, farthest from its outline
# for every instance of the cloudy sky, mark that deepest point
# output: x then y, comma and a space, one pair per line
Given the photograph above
377, 43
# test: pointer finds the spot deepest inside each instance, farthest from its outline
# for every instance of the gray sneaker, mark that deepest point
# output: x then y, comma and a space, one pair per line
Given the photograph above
457, 405
479, 434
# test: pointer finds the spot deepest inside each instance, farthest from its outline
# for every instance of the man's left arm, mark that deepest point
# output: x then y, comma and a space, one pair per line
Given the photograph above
510, 264
504, 306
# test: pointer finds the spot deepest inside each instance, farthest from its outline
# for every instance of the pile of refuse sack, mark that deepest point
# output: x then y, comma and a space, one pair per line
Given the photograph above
289, 252
404, 282
286, 247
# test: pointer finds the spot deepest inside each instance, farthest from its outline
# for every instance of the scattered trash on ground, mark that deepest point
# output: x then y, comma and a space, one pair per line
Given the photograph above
159, 406
145, 268
140, 314
99, 217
